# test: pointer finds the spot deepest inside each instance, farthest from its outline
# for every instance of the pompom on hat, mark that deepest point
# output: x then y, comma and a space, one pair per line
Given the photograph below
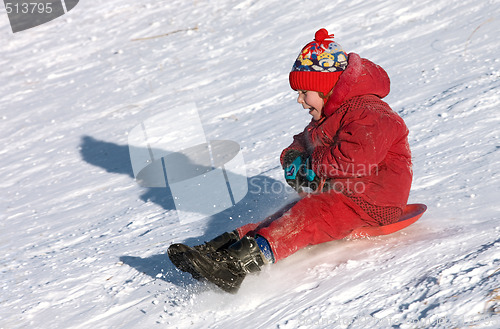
319, 65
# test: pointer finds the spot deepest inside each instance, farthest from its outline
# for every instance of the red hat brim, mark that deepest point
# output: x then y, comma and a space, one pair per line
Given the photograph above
314, 81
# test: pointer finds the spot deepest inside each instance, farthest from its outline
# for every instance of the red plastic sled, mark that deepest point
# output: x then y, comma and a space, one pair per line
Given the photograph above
411, 214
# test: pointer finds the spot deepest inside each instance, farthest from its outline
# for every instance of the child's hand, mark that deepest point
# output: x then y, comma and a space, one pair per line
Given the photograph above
290, 156
299, 174
307, 171
293, 171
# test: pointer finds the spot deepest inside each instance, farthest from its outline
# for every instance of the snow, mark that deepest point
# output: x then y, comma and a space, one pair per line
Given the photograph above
82, 245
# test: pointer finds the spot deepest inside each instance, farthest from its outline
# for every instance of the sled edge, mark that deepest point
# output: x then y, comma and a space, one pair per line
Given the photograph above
410, 215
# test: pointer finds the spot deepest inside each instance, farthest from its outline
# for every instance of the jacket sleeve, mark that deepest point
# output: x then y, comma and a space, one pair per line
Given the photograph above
360, 144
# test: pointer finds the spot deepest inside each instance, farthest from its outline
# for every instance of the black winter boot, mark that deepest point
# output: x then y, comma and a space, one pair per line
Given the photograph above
177, 250
227, 267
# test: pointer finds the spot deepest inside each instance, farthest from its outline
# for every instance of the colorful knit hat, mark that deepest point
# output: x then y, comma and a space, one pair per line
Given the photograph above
319, 64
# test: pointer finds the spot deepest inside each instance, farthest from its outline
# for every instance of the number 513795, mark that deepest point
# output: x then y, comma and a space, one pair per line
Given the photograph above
28, 8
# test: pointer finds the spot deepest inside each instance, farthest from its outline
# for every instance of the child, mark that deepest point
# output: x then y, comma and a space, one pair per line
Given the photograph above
354, 155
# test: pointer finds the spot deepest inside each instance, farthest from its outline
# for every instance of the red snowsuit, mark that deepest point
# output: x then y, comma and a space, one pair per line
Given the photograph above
361, 149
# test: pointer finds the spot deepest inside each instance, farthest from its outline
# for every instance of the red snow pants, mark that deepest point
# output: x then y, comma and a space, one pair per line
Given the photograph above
315, 219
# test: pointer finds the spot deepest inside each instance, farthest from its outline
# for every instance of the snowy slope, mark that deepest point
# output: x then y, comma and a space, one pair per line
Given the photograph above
83, 246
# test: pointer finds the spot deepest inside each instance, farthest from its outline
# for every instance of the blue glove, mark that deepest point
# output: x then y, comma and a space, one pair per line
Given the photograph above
299, 174
292, 170
307, 171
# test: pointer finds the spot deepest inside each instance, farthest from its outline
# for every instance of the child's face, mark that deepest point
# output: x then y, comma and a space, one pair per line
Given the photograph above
312, 101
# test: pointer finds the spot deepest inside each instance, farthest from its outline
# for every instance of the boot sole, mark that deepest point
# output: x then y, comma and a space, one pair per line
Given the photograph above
177, 255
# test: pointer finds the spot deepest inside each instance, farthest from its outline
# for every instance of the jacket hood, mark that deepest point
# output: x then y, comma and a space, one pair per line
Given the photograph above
361, 77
